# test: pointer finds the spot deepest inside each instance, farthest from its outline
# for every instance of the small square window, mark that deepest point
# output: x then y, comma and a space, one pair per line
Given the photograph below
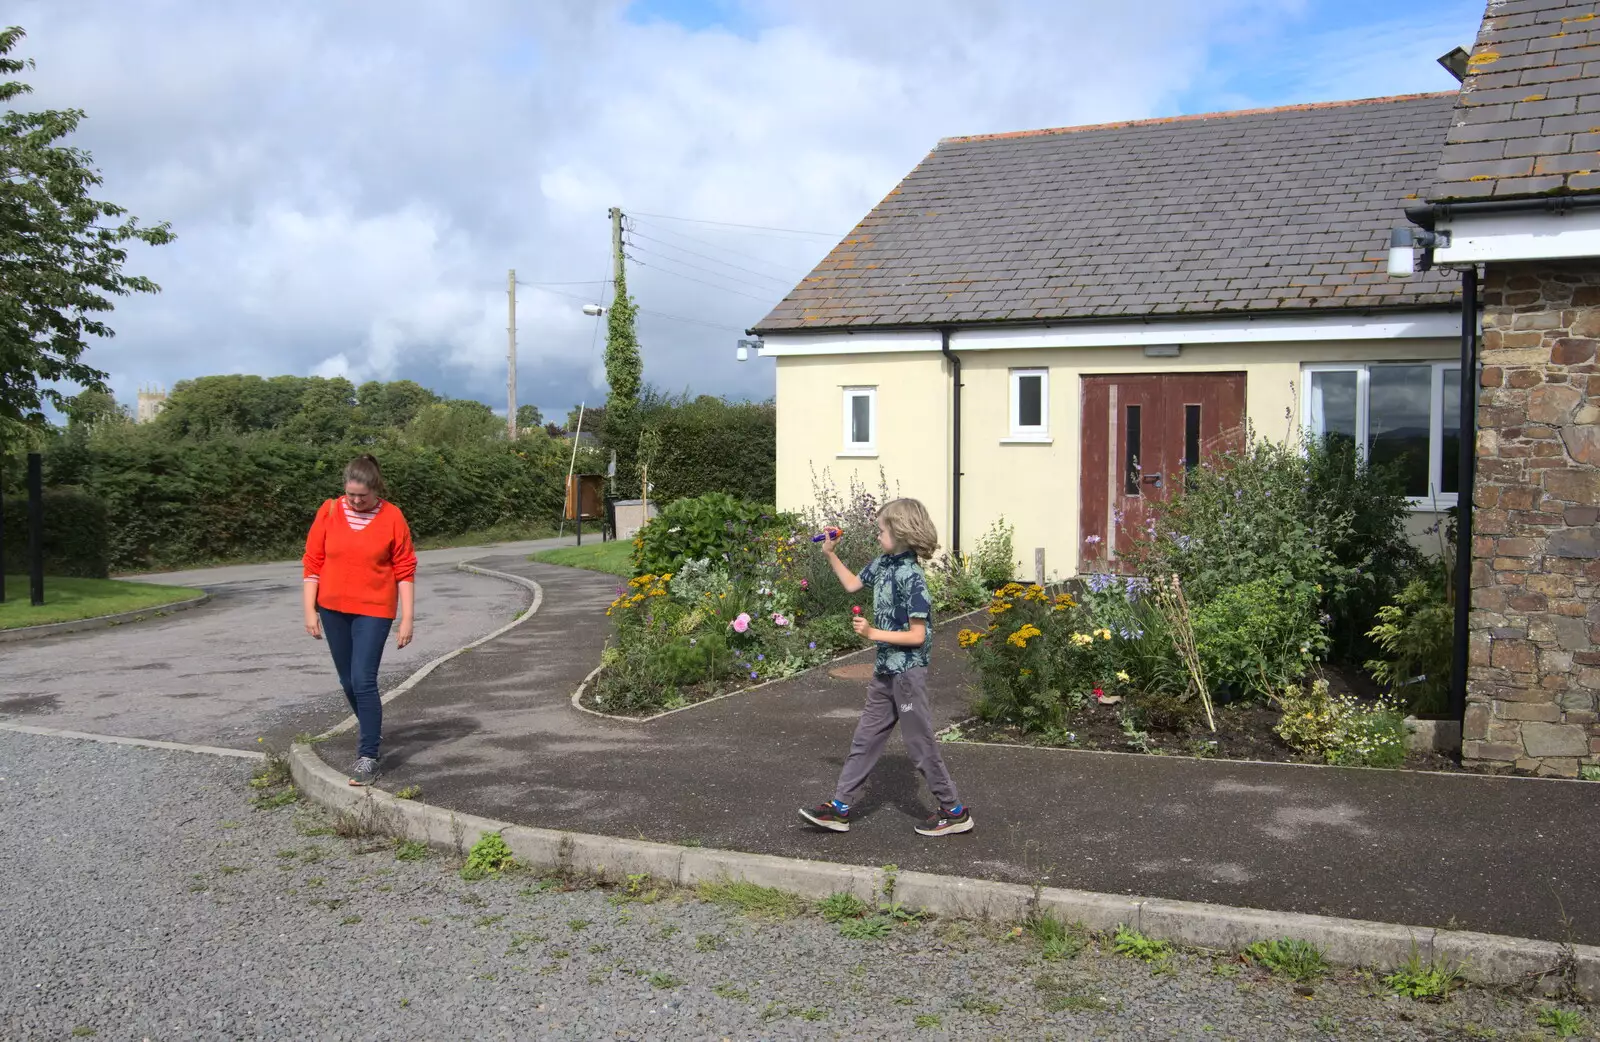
1030, 403
860, 419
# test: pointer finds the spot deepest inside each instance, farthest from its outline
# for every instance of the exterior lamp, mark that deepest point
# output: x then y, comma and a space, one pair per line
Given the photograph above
1402, 241
593, 310
745, 347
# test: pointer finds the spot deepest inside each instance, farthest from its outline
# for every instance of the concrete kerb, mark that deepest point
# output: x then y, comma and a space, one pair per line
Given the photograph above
1483, 958
51, 629
416, 678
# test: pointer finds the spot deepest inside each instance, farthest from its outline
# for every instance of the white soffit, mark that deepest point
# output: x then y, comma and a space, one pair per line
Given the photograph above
1520, 236
1266, 330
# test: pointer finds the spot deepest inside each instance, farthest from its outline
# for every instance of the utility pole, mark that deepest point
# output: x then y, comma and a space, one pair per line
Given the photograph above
511, 354
616, 245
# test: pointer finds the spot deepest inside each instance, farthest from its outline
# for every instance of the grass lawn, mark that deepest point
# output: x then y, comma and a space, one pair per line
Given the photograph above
613, 558
67, 600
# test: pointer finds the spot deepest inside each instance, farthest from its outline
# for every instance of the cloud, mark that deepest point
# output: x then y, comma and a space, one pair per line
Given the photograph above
351, 182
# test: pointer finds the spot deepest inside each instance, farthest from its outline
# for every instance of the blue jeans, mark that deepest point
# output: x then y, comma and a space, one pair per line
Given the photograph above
357, 645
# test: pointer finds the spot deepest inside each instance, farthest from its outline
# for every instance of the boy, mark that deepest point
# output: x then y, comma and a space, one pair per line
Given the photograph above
903, 630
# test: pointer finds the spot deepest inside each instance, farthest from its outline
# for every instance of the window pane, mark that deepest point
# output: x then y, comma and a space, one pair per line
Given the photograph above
1191, 436
1333, 405
1030, 401
1131, 464
1450, 480
861, 419
1398, 421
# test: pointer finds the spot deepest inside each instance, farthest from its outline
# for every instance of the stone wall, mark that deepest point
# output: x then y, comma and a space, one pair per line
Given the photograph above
1535, 660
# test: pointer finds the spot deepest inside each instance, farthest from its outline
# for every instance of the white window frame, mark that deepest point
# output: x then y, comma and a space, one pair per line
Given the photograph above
870, 446
1032, 434
1363, 371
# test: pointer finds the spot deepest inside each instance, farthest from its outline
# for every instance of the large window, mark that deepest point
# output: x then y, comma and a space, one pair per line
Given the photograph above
860, 421
1030, 405
1406, 415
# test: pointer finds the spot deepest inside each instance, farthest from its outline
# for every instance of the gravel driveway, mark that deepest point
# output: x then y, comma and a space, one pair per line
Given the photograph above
146, 899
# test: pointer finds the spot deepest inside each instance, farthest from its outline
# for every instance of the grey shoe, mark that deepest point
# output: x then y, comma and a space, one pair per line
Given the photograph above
365, 772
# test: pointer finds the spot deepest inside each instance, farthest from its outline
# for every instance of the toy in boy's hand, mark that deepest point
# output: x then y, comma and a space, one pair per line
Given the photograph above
855, 609
827, 534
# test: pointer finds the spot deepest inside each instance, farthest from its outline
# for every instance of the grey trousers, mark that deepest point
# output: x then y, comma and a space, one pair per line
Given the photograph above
896, 698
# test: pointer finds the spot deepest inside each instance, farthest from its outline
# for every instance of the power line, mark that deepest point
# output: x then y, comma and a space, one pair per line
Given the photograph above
705, 242
695, 321
706, 256
590, 282
696, 267
729, 224
703, 282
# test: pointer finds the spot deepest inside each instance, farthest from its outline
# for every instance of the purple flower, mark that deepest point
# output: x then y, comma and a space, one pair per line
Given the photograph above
813, 645
761, 658
752, 675
738, 653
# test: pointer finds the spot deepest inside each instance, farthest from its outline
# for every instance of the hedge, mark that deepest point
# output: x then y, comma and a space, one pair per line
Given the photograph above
707, 445
76, 535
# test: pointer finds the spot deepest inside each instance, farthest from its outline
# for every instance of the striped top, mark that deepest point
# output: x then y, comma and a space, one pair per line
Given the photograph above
359, 519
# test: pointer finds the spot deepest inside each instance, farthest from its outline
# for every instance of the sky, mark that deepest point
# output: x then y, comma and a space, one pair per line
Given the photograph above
350, 182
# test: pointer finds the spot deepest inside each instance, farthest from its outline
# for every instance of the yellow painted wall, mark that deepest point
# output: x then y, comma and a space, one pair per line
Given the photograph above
913, 432
1033, 486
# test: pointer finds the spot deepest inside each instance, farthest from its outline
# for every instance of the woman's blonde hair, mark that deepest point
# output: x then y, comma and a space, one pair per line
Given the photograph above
363, 470
909, 524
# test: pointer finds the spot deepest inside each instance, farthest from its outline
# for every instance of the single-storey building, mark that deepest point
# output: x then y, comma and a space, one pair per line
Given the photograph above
1046, 325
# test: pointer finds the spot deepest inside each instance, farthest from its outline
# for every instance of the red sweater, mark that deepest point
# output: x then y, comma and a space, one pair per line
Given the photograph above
358, 560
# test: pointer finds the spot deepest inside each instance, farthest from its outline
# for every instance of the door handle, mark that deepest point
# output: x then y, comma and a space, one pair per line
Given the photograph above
1153, 479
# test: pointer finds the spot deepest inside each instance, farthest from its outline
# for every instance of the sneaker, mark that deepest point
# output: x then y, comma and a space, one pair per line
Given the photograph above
365, 772
828, 815
946, 823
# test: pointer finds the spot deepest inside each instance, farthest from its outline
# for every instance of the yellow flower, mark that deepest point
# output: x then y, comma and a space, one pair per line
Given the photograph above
1000, 607
1122, 675
1082, 640
967, 638
1103, 633
1024, 634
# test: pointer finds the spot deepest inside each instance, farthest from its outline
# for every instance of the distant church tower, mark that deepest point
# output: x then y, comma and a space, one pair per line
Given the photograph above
151, 401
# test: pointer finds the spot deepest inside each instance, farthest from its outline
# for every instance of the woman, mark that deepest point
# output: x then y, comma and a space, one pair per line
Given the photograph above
359, 564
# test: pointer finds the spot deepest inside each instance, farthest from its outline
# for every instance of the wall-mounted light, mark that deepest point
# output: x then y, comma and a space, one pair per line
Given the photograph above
593, 310
1402, 244
1455, 63
1163, 350
745, 347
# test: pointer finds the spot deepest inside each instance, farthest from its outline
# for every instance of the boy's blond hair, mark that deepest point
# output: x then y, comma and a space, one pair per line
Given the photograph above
908, 522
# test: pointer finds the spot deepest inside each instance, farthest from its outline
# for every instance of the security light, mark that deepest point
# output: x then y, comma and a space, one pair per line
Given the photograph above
745, 346
1403, 241
1455, 63
594, 310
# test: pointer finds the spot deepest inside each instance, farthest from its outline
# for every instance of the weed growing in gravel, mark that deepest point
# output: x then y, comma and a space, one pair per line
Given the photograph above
288, 853
1564, 1022
872, 928
410, 850
1136, 945
664, 980
668, 931
1226, 970
774, 1010
349, 920
762, 902
520, 941
708, 942
1057, 939
638, 889
228, 825
905, 1000
273, 772
840, 906
1299, 961
561, 953
488, 920
308, 825
813, 1014
198, 888
599, 949
472, 901
1326, 1025
82, 1032
488, 856
410, 792
978, 1003
577, 925
926, 1020
272, 801
229, 870
730, 991
1430, 982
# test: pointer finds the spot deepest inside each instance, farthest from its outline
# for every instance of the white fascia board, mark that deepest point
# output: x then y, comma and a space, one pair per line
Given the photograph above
1264, 330
1477, 238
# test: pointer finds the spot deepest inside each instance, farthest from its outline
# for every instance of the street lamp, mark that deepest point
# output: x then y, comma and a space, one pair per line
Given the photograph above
593, 310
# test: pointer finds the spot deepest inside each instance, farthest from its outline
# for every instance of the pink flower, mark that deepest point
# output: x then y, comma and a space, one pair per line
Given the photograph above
779, 620
741, 623
1099, 693
805, 584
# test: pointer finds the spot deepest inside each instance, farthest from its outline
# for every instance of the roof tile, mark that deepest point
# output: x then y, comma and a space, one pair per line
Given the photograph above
1251, 211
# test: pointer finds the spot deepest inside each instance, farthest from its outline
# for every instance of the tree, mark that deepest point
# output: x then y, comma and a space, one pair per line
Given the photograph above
88, 408
594, 418
529, 416
392, 404
61, 254
455, 423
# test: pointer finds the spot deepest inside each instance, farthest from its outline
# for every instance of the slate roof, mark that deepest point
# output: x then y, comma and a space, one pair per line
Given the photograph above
1528, 120
1262, 211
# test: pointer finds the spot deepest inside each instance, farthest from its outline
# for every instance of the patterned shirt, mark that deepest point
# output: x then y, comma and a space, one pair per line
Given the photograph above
899, 595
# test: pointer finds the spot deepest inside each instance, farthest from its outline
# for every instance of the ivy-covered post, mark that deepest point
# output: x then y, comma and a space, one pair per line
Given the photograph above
624, 368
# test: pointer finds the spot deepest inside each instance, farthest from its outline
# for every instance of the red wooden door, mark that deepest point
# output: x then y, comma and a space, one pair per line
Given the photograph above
1140, 435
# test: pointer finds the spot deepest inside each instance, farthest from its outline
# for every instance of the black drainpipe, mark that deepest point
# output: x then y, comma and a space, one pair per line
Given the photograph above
1467, 464
955, 442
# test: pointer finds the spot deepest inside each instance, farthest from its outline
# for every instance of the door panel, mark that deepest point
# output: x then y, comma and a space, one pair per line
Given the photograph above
1140, 435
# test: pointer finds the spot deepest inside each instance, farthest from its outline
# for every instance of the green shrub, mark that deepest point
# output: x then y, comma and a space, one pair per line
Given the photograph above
710, 527
1258, 636
1341, 729
76, 541
954, 585
993, 556
1415, 637
1308, 516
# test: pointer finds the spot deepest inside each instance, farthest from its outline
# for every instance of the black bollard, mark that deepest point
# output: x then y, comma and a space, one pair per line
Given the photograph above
36, 528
